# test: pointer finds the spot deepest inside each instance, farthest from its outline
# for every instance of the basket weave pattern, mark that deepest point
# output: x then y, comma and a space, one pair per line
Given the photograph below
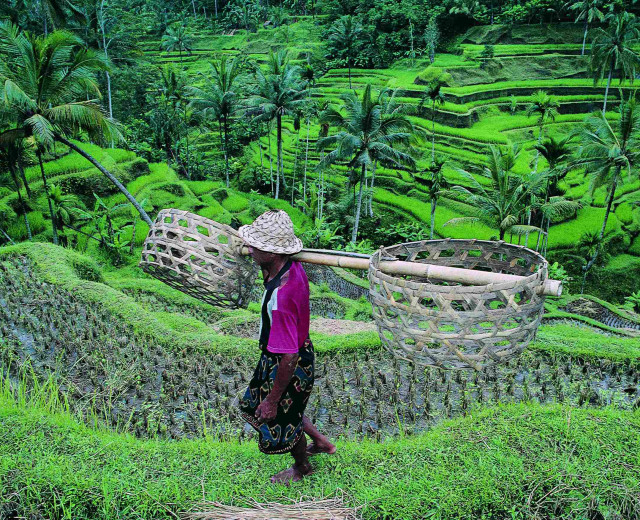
198, 257
455, 326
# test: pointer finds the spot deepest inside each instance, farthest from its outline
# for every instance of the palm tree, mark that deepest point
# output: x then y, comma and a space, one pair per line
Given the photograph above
434, 96
43, 81
278, 95
244, 14
556, 152
218, 99
554, 208
502, 203
470, 8
168, 116
344, 39
325, 111
606, 151
390, 107
589, 248
435, 182
613, 50
546, 108
368, 134
589, 11
308, 75
177, 37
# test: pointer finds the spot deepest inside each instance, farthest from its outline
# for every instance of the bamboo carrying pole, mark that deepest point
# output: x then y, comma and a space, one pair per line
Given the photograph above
435, 272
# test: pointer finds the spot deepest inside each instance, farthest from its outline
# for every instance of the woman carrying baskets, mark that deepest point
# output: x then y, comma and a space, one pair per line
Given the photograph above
279, 390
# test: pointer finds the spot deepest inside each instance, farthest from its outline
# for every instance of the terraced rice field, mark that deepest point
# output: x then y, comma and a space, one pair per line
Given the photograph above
477, 113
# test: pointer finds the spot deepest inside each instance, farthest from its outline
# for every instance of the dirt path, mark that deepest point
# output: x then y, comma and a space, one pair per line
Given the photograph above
335, 327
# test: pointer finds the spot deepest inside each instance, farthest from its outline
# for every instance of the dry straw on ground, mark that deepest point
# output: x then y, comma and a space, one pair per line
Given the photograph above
326, 509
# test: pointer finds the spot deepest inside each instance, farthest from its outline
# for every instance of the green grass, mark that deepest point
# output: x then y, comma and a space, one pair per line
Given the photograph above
585, 343
506, 462
235, 203
566, 234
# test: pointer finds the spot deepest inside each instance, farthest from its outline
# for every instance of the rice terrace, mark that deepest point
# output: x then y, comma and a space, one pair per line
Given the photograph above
290, 259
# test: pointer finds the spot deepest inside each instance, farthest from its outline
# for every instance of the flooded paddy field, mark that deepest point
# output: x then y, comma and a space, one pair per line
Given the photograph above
131, 383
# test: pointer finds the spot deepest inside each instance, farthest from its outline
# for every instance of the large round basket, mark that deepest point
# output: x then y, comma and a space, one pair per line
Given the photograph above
199, 257
458, 326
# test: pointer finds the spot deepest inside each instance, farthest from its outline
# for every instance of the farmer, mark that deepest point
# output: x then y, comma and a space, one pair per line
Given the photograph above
277, 395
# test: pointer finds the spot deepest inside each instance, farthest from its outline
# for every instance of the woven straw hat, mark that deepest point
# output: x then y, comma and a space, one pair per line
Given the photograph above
273, 232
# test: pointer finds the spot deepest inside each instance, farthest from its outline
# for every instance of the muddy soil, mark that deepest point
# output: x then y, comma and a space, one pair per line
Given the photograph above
136, 385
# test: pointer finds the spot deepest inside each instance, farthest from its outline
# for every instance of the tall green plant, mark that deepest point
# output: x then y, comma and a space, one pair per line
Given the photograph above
344, 40
368, 133
277, 95
435, 182
502, 203
607, 150
433, 94
219, 99
613, 50
590, 11
177, 37
45, 81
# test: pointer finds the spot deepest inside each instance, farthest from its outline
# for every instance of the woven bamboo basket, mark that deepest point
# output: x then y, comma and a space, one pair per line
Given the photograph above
199, 257
454, 326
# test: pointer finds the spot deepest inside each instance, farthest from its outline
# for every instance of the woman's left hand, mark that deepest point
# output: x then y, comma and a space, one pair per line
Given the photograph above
266, 410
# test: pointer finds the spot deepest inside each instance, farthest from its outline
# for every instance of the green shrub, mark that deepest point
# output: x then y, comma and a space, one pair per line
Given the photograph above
90, 181
203, 187
431, 73
624, 212
235, 203
177, 188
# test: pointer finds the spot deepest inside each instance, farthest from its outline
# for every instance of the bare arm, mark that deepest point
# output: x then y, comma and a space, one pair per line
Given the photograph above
287, 366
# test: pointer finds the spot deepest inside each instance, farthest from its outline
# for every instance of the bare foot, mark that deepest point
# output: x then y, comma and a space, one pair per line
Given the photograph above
292, 474
314, 448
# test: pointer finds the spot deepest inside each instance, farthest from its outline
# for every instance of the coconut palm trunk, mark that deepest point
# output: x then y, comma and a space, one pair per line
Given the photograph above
260, 147
434, 201
46, 191
373, 178
606, 92
354, 235
433, 131
295, 167
270, 156
279, 158
24, 178
226, 146
133, 237
107, 173
14, 176
306, 160
612, 194
7, 237
584, 39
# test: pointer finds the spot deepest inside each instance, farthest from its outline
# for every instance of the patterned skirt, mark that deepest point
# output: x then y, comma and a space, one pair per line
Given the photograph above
282, 433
